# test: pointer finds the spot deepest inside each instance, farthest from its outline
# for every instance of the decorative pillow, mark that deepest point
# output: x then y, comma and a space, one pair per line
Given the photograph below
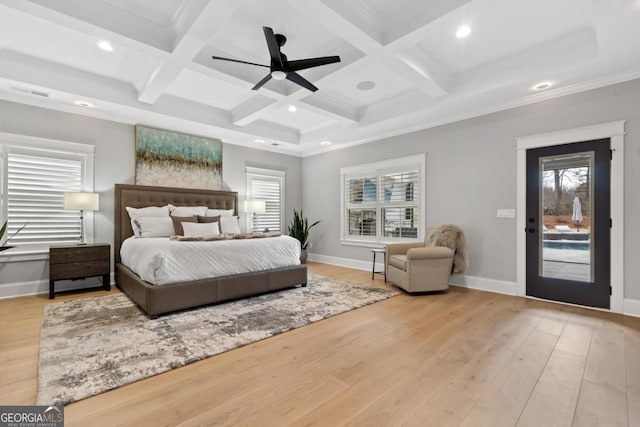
177, 223
151, 211
187, 210
208, 218
221, 212
201, 229
155, 226
229, 224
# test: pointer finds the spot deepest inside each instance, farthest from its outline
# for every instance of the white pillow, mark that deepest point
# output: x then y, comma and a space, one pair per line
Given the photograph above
187, 210
200, 228
221, 212
151, 211
229, 224
155, 226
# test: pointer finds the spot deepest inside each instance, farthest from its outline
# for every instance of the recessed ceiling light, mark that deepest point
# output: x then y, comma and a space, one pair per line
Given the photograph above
463, 32
292, 108
84, 104
366, 85
259, 141
326, 143
542, 86
105, 45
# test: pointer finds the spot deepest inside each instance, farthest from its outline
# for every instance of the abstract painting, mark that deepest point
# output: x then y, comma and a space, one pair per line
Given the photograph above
172, 159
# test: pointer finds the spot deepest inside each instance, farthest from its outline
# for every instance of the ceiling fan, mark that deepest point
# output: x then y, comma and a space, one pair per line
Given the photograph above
280, 67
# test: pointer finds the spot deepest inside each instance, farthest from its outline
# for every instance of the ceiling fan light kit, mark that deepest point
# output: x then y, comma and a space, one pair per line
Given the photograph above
281, 68
278, 75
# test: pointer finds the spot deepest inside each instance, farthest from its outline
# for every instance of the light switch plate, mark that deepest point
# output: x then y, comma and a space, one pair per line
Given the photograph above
506, 213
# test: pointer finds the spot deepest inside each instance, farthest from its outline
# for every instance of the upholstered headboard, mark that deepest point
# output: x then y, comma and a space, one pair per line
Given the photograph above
138, 196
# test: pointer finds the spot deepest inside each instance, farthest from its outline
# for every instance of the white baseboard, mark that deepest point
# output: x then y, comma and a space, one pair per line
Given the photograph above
20, 289
346, 262
632, 307
470, 282
484, 284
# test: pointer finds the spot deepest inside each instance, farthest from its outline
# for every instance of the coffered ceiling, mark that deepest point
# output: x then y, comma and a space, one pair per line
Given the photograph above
403, 68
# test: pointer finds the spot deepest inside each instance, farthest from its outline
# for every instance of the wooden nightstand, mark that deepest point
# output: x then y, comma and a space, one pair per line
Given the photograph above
79, 262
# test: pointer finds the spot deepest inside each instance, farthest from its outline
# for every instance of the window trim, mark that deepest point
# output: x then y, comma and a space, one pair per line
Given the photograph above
40, 251
251, 172
386, 165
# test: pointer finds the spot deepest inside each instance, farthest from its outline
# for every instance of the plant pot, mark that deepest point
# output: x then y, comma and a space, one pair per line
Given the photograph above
303, 256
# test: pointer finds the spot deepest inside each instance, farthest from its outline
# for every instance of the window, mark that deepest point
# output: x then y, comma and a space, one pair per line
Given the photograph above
267, 185
383, 201
35, 174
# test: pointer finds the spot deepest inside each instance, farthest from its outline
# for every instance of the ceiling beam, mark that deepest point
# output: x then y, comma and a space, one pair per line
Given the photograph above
116, 100
250, 110
419, 73
333, 108
67, 15
412, 27
206, 18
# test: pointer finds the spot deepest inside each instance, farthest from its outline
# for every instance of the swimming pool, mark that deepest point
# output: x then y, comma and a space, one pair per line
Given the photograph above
566, 244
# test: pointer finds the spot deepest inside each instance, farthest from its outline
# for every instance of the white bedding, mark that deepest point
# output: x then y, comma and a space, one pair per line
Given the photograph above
161, 261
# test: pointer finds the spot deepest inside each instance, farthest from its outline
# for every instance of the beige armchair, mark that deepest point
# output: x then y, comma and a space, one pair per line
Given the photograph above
427, 266
418, 268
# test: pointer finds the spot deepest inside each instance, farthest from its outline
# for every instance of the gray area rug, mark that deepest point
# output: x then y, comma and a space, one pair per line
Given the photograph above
92, 345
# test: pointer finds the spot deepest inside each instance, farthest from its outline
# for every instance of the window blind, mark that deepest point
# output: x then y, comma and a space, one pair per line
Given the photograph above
270, 188
399, 201
360, 200
35, 196
400, 187
383, 201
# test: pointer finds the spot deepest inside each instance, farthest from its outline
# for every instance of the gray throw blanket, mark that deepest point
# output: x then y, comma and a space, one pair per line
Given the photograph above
225, 237
452, 237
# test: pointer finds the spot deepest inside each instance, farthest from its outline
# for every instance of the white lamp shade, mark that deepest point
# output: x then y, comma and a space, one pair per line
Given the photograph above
81, 201
254, 206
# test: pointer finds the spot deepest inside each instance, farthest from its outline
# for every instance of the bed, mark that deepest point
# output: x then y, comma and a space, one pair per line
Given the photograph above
156, 300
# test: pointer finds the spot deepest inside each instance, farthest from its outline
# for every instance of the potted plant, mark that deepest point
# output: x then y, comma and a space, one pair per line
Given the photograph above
299, 229
3, 230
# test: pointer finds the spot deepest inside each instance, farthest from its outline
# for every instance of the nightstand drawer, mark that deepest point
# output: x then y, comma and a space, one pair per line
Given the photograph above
78, 254
78, 269
78, 262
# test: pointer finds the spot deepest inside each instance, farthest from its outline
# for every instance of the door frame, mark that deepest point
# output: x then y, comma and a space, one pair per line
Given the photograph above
612, 130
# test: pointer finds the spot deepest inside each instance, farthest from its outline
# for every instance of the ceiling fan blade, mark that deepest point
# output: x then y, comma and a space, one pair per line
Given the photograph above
237, 60
302, 64
262, 82
298, 79
274, 50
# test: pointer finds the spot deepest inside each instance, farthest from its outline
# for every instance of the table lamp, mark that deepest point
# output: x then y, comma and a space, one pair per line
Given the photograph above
253, 207
81, 202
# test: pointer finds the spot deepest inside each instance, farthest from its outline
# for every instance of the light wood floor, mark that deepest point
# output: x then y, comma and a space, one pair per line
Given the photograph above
464, 357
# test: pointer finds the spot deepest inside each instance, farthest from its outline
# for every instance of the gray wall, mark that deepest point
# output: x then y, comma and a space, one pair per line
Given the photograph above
471, 172
114, 163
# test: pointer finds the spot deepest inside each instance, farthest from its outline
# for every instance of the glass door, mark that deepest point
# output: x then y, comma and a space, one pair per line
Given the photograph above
568, 211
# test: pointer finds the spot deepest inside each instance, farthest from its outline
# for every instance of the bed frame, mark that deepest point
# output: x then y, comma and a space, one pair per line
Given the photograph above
156, 300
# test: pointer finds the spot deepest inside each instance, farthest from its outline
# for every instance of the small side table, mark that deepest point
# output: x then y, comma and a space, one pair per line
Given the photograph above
79, 262
373, 269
